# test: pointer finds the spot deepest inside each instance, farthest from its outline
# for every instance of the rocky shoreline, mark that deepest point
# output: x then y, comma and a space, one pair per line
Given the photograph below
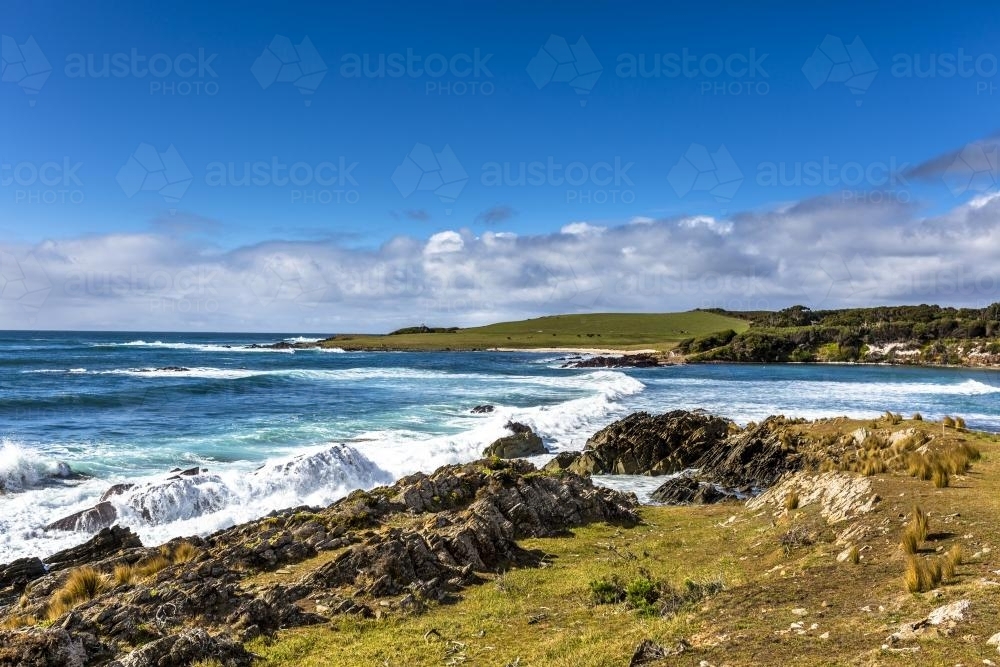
393, 549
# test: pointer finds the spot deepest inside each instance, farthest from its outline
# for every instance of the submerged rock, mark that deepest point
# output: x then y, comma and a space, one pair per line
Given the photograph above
482, 409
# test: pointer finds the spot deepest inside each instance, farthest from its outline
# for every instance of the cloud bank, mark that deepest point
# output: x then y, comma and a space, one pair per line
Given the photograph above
821, 252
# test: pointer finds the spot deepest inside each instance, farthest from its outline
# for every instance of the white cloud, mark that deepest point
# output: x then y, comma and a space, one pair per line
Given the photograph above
582, 229
821, 252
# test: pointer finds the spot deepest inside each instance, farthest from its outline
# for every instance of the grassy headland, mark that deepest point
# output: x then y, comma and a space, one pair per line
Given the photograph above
614, 331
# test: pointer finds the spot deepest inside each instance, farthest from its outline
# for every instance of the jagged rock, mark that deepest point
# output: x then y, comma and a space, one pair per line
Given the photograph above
101, 515
16, 575
754, 458
523, 443
562, 461
422, 539
482, 409
116, 490
686, 490
106, 543
186, 648
48, 647
644, 444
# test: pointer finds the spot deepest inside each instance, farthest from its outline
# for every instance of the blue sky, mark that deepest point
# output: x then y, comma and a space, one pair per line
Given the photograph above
516, 109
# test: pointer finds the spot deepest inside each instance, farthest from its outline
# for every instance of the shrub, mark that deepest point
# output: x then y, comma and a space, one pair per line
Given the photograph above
607, 591
642, 594
83, 584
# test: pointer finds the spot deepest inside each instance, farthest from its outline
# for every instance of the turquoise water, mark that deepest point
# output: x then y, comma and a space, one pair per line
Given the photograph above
104, 404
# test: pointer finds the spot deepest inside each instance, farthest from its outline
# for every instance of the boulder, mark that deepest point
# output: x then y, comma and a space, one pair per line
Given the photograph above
752, 459
562, 461
47, 647
482, 409
523, 443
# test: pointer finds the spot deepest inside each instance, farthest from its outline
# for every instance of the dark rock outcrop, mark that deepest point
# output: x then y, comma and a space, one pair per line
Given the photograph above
101, 515
482, 409
186, 648
108, 542
523, 443
623, 361
686, 490
644, 444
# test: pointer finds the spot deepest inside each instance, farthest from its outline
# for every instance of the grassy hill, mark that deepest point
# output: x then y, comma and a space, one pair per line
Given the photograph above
619, 331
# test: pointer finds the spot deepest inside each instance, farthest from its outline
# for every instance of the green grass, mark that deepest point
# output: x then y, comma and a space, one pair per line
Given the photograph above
618, 331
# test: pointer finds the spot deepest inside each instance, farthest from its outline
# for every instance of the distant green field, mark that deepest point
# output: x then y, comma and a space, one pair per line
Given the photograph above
619, 331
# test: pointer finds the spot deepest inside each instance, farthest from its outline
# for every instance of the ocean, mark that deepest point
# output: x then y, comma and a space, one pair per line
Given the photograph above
276, 429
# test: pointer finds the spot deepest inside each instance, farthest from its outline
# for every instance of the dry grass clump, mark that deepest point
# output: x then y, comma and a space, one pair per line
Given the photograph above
940, 478
83, 584
951, 561
917, 417
854, 555
124, 574
921, 574
948, 422
892, 418
792, 500
959, 423
148, 567
15, 621
184, 552
915, 532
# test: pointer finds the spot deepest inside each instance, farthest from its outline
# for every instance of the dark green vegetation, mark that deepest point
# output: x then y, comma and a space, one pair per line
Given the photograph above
617, 331
894, 334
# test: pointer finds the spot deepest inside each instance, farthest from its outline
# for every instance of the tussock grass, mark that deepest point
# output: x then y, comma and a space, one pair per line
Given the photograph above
917, 417
921, 574
854, 556
83, 584
184, 552
919, 523
959, 423
941, 478
16, 621
792, 500
124, 574
951, 561
909, 543
948, 422
150, 566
